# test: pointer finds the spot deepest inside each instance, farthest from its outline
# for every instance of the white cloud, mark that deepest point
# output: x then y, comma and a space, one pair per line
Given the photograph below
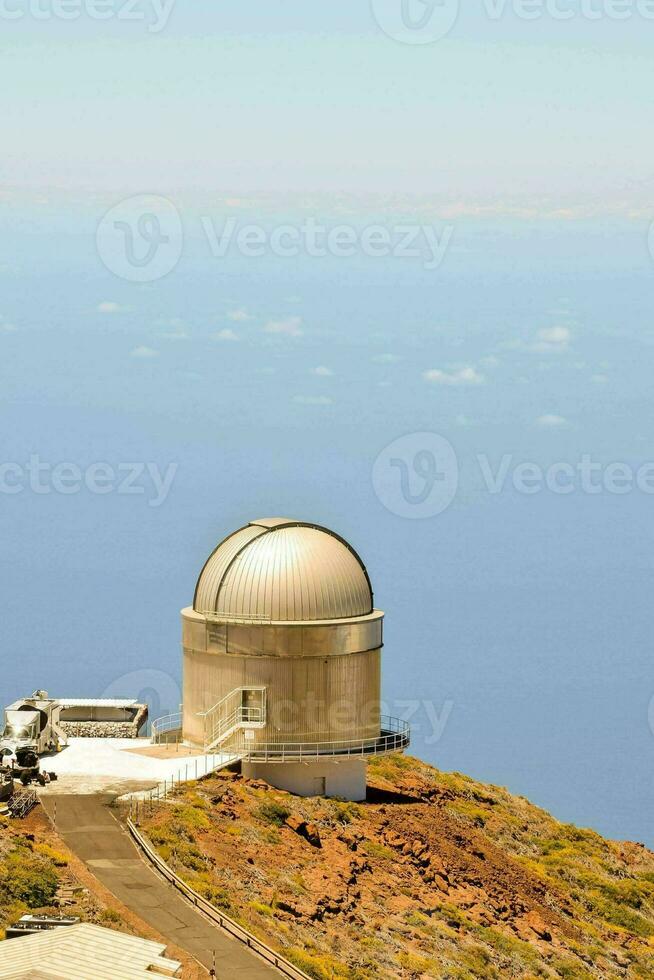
312, 400
599, 379
291, 327
144, 352
227, 334
551, 422
385, 359
553, 339
178, 334
239, 316
461, 376
322, 371
491, 361
108, 307
7, 327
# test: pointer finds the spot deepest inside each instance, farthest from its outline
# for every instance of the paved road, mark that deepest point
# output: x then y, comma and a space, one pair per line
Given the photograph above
94, 834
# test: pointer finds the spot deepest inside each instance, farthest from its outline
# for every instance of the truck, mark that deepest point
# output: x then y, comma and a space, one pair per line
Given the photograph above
32, 728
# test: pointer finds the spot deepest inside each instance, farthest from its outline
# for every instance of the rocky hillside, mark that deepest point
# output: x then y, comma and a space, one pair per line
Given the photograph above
435, 876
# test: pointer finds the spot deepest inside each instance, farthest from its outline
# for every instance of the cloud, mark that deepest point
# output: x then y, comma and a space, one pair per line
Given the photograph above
551, 422
322, 371
385, 359
312, 400
239, 316
599, 379
553, 339
227, 334
491, 361
108, 307
291, 327
144, 352
178, 334
6, 327
462, 376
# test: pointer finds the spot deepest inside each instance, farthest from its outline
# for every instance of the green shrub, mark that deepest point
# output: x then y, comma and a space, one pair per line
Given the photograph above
28, 878
273, 813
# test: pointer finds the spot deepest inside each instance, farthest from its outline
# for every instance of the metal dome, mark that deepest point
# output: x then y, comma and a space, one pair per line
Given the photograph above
279, 570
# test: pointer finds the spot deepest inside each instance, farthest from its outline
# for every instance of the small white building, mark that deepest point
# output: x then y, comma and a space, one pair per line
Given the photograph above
84, 952
282, 660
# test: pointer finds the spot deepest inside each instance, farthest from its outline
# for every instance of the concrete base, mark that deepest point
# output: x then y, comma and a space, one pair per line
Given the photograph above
346, 780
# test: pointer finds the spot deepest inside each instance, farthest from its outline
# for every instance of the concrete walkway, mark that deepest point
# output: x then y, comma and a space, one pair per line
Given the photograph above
89, 765
93, 833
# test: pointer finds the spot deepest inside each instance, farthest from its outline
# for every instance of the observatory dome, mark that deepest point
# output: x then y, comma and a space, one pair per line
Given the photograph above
280, 570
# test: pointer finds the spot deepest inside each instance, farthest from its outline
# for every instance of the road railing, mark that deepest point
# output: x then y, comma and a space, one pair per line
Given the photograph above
229, 925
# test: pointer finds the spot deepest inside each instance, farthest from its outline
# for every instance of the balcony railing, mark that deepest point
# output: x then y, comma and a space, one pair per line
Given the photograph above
395, 737
167, 729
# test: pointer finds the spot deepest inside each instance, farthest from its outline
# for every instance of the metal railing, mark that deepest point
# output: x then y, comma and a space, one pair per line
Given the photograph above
218, 917
168, 728
395, 737
196, 767
233, 712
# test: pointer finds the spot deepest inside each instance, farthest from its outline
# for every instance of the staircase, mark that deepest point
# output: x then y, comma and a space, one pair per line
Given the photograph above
242, 709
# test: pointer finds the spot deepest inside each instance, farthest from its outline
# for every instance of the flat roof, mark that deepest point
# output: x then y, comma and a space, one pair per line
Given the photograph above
85, 952
98, 702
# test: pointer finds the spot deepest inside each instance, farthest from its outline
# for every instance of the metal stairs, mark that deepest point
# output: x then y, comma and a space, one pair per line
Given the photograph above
244, 708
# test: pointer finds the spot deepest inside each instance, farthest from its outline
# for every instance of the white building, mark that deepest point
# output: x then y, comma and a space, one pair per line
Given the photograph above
84, 952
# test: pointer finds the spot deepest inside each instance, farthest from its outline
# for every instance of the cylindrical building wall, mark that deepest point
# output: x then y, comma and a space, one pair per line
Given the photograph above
322, 681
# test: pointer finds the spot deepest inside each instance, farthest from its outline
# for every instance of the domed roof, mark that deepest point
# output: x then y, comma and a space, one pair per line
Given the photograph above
279, 570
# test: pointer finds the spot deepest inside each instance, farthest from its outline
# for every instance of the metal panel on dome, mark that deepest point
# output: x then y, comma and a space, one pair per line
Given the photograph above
273, 522
208, 586
294, 573
278, 570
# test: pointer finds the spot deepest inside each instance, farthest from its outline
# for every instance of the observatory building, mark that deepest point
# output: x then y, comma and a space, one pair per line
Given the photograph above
282, 660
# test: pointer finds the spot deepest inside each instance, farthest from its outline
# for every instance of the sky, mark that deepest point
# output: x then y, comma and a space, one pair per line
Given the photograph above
279, 259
